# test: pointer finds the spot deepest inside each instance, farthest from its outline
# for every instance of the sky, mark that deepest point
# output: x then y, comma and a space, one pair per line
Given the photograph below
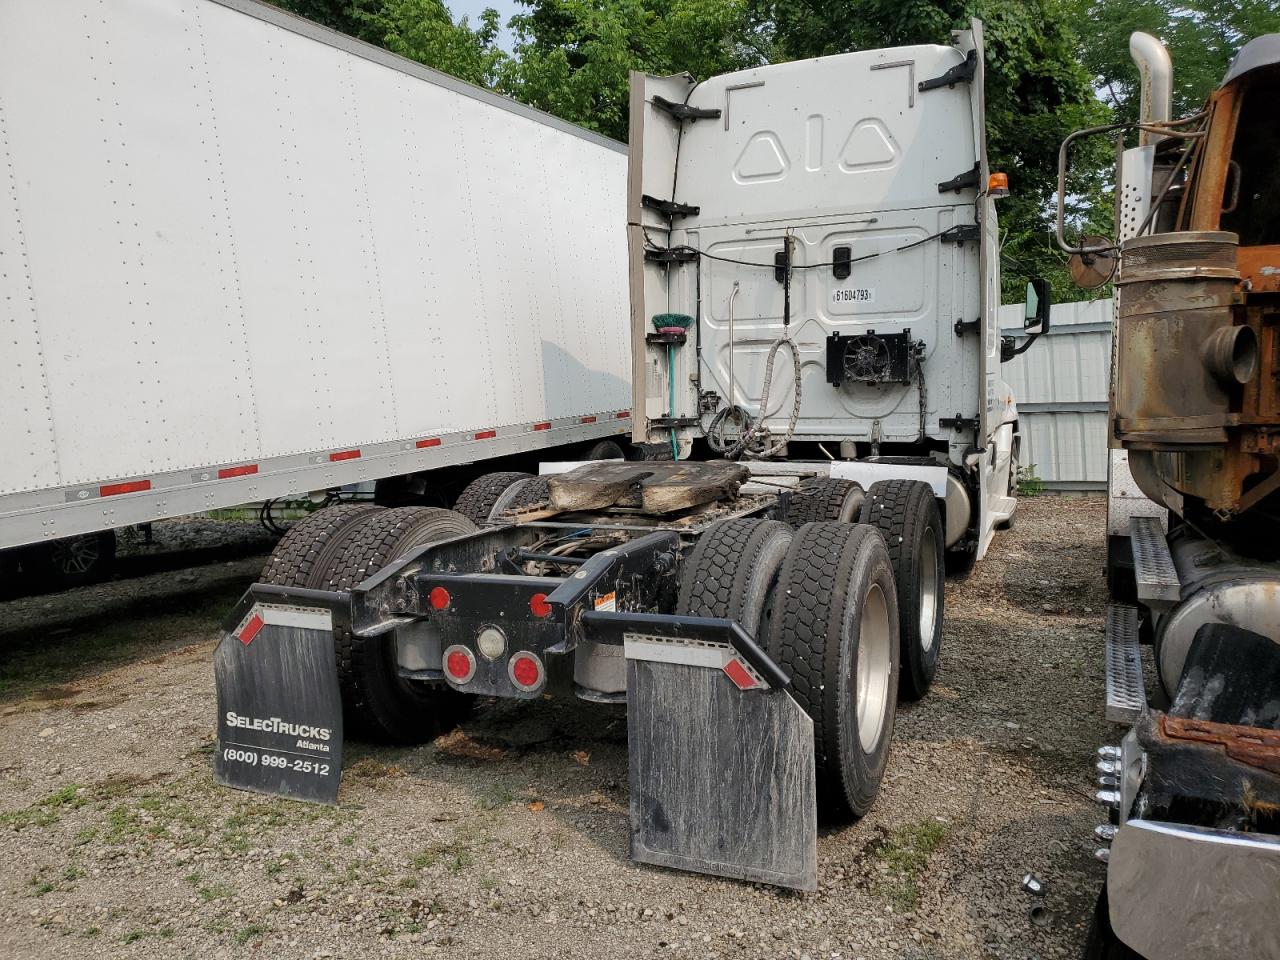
471, 9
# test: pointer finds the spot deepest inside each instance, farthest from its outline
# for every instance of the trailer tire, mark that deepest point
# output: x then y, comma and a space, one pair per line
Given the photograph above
834, 628
311, 544
73, 561
476, 502
606, 450
906, 514
825, 498
731, 570
376, 702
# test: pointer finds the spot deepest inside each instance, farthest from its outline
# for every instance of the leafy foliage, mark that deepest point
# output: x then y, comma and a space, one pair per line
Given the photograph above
573, 57
1202, 35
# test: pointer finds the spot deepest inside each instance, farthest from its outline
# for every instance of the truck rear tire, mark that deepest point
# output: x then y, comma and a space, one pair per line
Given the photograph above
731, 571
528, 493
476, 502
834, 629
377, 703
825, 498
906, 514
312, 544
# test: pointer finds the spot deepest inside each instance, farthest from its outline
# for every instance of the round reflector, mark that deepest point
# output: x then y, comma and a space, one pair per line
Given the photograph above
459, 664
439, 598
525, 670
492, 643
538, 605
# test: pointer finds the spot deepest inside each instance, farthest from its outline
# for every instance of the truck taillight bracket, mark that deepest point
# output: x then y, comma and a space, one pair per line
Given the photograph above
669, 208
682, 111
960, 73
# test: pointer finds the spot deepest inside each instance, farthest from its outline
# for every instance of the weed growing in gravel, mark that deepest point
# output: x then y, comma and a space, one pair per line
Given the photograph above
215, 891
906, 853
44, 812
497, 795
251, 932
454, 856
40, 885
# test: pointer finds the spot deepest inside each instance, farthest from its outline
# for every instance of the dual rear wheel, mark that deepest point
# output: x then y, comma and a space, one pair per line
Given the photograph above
337, 548
821, 600
851, 611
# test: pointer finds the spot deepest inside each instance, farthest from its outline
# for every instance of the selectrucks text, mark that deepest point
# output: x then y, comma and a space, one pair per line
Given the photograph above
276, 725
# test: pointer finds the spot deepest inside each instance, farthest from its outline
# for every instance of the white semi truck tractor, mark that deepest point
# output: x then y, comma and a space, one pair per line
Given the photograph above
1192, 787
762, 588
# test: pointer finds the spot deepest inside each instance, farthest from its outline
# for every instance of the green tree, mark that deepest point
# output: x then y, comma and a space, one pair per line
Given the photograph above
1202, 36
573, 57
421, 30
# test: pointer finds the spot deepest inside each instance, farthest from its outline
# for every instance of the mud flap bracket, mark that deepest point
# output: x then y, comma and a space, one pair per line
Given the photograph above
279, 706
721, 757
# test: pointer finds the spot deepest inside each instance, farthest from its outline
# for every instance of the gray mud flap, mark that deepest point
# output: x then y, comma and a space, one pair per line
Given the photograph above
722, 768
279, 706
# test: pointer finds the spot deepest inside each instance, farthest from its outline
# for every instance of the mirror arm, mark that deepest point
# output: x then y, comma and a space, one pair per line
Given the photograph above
1007, 355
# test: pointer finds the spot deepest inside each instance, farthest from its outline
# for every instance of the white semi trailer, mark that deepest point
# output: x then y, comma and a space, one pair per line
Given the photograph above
758, 613
246, 257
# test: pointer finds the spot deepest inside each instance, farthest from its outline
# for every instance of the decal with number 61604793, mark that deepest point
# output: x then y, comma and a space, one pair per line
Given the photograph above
853, 295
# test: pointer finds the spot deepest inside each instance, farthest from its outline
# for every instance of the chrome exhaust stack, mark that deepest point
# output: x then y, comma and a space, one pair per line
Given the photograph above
1156, 72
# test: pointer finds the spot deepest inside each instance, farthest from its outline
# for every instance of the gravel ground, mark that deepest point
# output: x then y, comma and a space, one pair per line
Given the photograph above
509, 836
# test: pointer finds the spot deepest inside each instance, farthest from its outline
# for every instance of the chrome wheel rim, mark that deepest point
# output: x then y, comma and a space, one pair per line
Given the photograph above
873, 668
928, 589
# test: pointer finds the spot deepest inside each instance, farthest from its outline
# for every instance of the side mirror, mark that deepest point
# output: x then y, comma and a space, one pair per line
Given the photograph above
1039, 299
1035, 319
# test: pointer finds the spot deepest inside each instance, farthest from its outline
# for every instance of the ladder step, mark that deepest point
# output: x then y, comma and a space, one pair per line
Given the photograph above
1153, 568
1126, 692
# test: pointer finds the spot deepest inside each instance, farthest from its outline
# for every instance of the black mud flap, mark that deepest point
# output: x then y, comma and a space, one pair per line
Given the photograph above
279, 707
721, 756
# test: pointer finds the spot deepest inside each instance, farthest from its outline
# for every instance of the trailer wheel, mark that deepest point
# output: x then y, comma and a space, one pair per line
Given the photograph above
606, 450
731, 570
311, 544
825, 498
377, 702
834, 629
906, 514
74, 561
476, 502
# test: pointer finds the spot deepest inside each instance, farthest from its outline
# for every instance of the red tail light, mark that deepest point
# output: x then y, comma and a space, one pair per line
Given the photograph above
538, 605
525, 671
438, 598
459, 664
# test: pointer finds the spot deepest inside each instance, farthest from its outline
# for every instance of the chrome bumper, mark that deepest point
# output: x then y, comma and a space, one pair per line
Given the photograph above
1191, 892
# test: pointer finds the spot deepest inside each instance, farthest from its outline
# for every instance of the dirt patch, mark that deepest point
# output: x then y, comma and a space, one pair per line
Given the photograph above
509, 837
